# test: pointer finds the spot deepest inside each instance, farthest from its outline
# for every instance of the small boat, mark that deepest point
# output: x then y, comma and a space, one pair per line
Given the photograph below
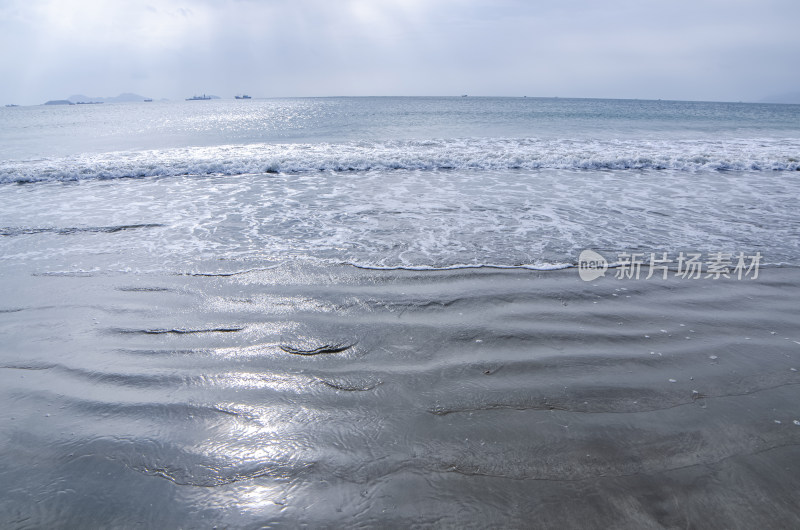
245, 96
12, 105
148, 100
198, 98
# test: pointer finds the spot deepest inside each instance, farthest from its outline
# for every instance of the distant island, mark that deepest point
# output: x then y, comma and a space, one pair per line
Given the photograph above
80, 99
122, 98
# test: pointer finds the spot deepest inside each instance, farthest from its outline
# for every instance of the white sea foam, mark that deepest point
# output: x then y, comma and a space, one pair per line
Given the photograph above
479, 214
420, 268
462, 154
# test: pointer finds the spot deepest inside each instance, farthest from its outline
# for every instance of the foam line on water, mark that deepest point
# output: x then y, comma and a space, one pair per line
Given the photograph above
487, 154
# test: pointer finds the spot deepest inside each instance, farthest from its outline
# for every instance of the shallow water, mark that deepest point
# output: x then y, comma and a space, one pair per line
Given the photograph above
537, 218
464, 398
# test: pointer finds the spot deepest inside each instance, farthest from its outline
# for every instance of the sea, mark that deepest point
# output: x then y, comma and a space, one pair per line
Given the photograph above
400, 312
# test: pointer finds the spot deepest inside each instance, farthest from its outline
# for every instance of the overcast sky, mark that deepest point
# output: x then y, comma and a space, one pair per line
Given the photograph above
727, 50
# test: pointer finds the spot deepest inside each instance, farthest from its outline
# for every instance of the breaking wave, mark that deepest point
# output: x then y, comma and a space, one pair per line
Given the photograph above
463, 154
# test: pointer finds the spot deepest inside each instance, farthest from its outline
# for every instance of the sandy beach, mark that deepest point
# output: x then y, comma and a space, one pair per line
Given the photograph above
463, 398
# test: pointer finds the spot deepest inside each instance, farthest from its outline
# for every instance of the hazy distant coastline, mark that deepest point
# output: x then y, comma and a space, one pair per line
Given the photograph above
128, 97
791, 97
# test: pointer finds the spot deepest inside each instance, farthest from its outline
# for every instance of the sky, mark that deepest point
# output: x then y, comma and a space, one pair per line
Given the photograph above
715, 50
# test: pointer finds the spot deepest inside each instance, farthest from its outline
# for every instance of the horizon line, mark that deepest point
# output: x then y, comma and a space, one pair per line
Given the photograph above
163, 99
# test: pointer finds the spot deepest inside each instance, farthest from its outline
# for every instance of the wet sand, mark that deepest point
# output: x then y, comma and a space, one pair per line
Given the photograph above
345, 397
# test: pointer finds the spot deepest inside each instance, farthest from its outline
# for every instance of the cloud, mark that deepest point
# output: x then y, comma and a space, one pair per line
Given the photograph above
702, 49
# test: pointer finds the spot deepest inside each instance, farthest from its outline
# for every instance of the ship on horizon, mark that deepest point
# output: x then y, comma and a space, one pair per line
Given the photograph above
243, 96
198, 98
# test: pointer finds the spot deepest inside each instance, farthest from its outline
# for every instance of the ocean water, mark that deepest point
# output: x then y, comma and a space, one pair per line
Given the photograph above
367, 311
395, 182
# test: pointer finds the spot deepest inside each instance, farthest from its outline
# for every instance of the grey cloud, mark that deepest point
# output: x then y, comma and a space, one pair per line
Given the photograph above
703, 49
